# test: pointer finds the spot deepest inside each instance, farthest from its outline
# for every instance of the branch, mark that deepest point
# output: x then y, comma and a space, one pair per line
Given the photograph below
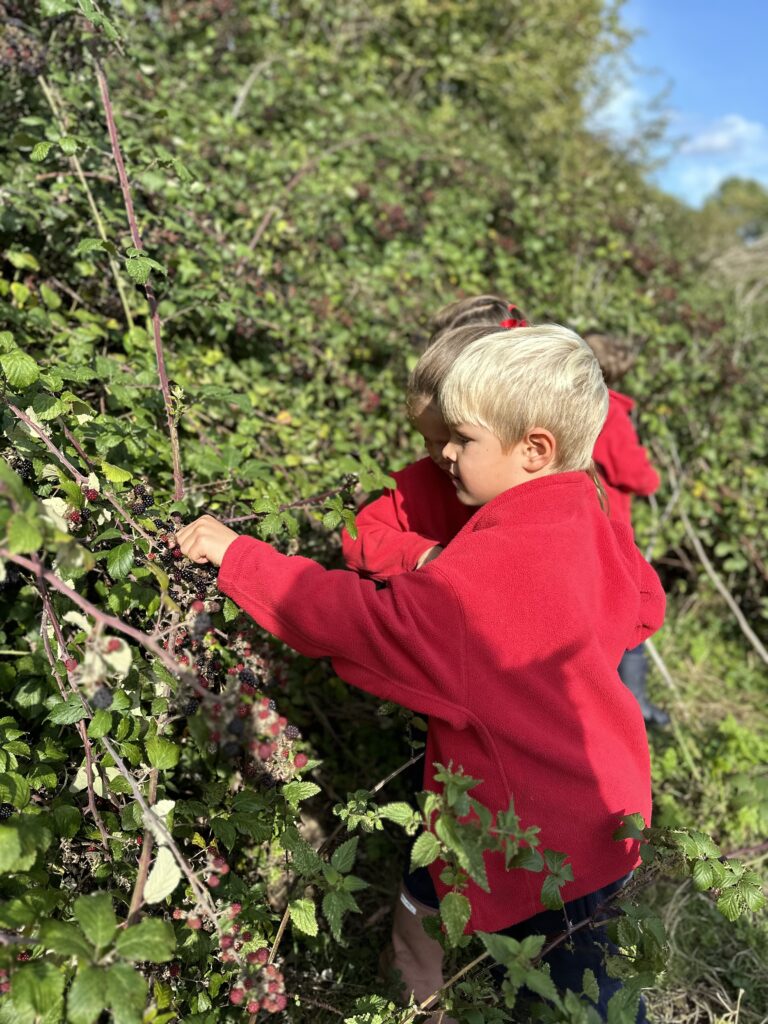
242, 95
148, 289
142, 872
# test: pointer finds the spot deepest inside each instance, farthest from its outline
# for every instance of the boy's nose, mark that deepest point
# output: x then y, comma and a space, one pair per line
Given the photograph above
449, 451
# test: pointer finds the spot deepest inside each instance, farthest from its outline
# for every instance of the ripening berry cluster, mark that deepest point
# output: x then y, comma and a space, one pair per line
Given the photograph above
5, 985
262, 990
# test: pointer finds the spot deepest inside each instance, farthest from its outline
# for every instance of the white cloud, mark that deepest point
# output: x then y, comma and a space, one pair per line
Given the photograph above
731, 133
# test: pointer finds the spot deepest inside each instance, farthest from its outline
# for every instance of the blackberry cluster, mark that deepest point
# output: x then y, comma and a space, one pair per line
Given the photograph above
190, 708
23, 467
142, 500
6, 810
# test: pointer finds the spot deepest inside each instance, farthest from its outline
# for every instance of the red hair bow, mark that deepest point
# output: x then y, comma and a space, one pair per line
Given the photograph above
512, 322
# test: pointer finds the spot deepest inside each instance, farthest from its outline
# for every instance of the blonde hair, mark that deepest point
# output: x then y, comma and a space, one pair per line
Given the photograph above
545, 376
430, 371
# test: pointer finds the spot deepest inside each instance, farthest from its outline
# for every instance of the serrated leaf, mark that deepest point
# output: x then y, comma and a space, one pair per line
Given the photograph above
66, 939
14, 789
550, 893
127, 993
20, 369
425, 850
303, 916
96, 918
67, 712
68, 145
40, 151
455, 911
335, 904
295, 792
151, 939
23, 534
115, 474
100, 724
400, 812
343, 858
162, 753
163, 878
87, 996
120, 561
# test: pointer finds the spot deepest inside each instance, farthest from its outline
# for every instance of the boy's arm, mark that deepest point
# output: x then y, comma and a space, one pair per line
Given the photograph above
385, 546
388, 642
652, 601
623, 461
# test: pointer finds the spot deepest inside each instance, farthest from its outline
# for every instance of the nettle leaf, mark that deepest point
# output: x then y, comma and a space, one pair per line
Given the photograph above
550, 893
295, 792
425, 850
20, 369
96, 918
343, 858
401, 813
139, 267
163, 878
87, 996
303, 916
335, 904
162, 753
151, 939
455, 910
120, 561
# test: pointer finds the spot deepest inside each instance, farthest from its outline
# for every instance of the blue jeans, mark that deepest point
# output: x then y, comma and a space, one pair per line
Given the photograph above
568, 961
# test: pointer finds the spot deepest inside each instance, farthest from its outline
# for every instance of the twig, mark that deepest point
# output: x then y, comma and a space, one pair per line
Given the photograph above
247, 85
76, 165
148, 289
142, 871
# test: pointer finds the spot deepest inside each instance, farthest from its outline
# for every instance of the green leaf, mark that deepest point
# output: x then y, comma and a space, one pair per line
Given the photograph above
151, 939
100, 724
632, 828
127, 994
66, 939
335, 904
14, 789
550, 893
67, 712
400, 812
303, 916
295, 792
97, 918
51, 298
20, 369
24, 537
589, 986
68, 145
115, 474
120, 561
87, 997
343, 858
39, 986
425, 850
224, 830
162, 753
40, 152
163, 878
455, 911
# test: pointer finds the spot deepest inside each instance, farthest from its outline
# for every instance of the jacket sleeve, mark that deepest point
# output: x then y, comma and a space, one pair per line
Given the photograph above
388, 642
385, 546
623, 461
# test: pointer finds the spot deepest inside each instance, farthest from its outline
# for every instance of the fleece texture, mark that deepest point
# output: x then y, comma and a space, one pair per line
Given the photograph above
622, 462
509, 642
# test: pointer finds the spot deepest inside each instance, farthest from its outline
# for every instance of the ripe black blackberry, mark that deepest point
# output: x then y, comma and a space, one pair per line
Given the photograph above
188, 574
102, 698
231, 750
23, 467
246, 676
190, 707
236, 727
291, 732
6, 810
202, 624
140, 489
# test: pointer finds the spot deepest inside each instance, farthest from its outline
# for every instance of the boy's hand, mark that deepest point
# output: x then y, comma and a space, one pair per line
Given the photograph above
205, 540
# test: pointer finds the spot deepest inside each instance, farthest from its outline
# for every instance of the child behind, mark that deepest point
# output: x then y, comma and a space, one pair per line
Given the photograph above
508, 641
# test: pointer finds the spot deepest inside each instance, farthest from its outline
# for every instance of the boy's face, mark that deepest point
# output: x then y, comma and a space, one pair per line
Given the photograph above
432, 427
481, 468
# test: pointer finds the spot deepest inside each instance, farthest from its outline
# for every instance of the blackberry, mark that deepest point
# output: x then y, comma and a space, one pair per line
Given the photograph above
236, 727
23, 467
6, 810
202, 624
231, 750
190, 707
291, 732
188, 574
246, 676
139, 490
85, 515
102, 698
272, 706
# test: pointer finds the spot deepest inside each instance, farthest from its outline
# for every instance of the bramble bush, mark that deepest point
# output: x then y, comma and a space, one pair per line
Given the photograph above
223, 227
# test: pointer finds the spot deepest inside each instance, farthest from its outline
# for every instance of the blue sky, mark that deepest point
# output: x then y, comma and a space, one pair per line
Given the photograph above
712, 55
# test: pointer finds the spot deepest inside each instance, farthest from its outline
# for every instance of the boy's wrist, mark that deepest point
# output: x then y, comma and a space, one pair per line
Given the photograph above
429, 555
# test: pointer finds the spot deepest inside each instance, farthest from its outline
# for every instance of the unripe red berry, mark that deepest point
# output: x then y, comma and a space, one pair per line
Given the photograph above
177, 914
253, 1006
194, 923
113, 645
236, 996
247, 936
262, 955
281, 1002
70, 664
226, 942
213, 881
174, 970
300, 760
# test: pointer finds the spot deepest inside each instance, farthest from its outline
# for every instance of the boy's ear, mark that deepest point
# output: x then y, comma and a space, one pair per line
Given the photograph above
539, 449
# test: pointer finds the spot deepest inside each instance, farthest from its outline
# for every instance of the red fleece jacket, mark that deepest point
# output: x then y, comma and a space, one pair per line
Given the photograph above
509, 642
621, 460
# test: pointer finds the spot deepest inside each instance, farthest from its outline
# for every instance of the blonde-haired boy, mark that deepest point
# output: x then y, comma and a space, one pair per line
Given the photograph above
509, 640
